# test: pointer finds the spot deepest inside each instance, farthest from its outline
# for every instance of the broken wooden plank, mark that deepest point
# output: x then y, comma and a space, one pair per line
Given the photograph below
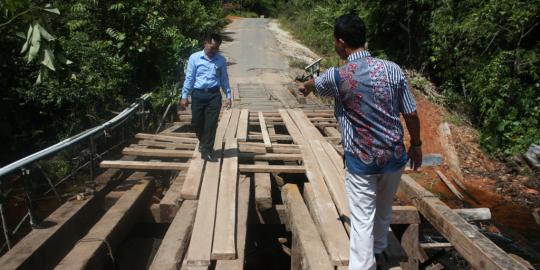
241, 227
91, 251
478, 250
174, 245
242, 131
157, 137
449, 184
224, 246
192, 183
157, 152
303, 228
264, 131
144, 165
271, 168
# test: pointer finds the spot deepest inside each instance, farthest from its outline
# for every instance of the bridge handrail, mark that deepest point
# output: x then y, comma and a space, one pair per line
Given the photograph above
92, 132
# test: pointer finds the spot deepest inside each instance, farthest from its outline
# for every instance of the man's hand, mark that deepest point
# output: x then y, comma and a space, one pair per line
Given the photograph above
228, 104
183, 104
415, 154
306, 87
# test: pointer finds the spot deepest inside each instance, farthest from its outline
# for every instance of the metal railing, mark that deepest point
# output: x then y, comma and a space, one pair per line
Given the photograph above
23, 164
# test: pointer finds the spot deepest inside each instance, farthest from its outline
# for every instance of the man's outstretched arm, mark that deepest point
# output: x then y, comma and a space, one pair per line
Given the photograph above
412, 121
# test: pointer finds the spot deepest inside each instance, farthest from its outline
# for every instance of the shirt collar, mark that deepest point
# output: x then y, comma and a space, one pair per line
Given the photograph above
358, 55
203, 56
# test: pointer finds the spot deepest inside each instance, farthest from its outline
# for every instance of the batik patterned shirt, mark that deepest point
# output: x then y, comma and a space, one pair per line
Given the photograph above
370, 94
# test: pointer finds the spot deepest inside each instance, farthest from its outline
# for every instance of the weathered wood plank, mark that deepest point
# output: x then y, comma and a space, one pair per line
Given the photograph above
200, 249
186, 146
91, 251
241, 227
263, 189
304, 230
192, 183
242, 131
411, 245
175, 242
157, 152
449, 184
157, 137
271, 168
224, 246
233, 125
405, 214
171, 201
264, 131
332, 231
144, 165
271, 156
478, 250
279, 137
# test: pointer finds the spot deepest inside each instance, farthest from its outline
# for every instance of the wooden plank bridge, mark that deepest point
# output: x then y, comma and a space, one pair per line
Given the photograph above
294, 151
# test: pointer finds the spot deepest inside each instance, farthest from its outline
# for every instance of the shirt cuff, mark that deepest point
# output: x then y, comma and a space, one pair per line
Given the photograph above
184, 94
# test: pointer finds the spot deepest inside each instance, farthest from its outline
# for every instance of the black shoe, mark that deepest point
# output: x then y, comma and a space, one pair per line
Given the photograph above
209, 157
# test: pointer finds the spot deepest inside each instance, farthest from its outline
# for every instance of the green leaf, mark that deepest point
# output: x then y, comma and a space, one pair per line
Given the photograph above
28, 36
48, 59
36, 43
46, 35
52, 10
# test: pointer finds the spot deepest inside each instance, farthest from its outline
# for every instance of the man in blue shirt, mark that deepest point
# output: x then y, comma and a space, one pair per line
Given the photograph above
206, 74
370, 94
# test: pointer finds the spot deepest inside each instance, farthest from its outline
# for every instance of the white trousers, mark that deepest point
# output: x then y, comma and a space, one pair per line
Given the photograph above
370, 201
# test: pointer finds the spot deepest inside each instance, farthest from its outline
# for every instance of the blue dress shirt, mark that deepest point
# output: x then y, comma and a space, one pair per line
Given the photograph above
203, 72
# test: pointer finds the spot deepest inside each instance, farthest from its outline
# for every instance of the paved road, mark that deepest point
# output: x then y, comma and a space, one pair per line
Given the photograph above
256, 67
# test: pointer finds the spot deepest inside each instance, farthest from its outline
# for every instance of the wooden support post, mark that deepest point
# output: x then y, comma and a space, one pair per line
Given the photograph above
175, 242
313, 253
411, 245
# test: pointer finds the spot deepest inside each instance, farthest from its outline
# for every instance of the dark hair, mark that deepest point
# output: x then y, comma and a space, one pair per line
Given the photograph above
352, 29
212, 36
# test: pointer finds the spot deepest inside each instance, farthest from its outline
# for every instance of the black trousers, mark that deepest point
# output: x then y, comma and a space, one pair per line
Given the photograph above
205, 108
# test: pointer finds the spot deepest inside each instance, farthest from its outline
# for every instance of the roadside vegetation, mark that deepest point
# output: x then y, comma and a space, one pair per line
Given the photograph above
69, 65
483, 57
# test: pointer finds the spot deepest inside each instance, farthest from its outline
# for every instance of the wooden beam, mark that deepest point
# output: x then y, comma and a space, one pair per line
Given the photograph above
200, 249
143, 165
186, 146
233, 125
311, 202
477, 249
179, 134
334, 179
263, 189
332, 231
264, 131
224, 246
171, 201
405, 214
91, 251
241, 227
303, 228
271, 156
157, 152
411, 245
165, 138
242, 131
175, 242
279, 137
245, 168
192, 183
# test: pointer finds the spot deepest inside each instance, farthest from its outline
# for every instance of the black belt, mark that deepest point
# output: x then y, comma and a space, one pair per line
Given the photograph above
213, 89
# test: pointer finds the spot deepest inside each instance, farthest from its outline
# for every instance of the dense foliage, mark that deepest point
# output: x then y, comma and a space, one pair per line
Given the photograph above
68, 65
484, 55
